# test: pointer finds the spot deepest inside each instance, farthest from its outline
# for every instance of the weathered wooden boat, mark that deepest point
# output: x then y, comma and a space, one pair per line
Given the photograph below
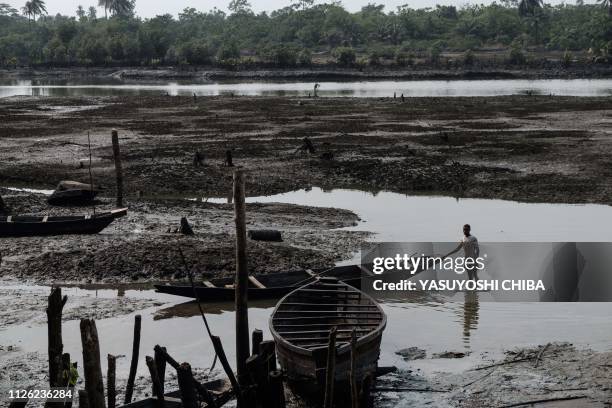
73, 193
24, 226
264, 286
301, 325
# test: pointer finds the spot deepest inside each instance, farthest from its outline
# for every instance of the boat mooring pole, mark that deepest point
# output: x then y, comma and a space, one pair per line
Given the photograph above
242, 280
118, 167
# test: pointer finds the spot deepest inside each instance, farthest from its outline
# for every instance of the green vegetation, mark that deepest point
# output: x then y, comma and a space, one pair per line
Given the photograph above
305, 33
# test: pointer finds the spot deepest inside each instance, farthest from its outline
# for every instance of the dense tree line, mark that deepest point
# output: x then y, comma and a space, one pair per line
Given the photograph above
296, 34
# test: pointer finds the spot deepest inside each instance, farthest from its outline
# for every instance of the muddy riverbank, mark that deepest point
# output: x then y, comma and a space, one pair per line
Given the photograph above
550, 70
528, 148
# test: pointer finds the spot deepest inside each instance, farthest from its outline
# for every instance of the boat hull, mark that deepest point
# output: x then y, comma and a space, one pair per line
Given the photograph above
37, 226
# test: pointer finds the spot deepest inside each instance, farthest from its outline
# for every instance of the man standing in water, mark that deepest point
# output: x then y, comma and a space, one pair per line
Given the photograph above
469, 243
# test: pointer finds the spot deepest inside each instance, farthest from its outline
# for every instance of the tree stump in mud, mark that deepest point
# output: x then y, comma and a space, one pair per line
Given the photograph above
185, 227
91, 364
54, 328
228, 158
198, 159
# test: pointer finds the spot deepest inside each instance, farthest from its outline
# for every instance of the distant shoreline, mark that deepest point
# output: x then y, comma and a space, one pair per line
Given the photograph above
203, 74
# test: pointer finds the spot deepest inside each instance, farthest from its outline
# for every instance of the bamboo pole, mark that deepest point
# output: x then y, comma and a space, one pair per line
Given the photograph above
54, 328
118, 167
228, 369
91, 364
242, 279
129, 389
111, 392
330, 373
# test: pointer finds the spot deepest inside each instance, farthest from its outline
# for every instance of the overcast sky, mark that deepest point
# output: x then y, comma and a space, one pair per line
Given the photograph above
151, 8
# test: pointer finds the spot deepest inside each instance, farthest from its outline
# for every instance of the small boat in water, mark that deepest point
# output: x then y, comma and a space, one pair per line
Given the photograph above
73, 193
26, 225
263, 286
301, 325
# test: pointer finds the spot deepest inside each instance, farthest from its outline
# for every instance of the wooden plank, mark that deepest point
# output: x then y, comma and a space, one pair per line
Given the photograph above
322, 331
369, 305
378, 317
355, 312
208, 284
276, 326
256, 283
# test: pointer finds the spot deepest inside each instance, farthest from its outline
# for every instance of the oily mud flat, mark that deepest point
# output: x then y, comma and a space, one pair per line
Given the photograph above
529, 148
144, 245
553, 375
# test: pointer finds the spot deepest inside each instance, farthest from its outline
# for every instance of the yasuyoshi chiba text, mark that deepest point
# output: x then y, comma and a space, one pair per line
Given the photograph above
523, 285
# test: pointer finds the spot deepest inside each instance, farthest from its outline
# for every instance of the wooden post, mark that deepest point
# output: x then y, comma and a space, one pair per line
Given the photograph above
277, 390
83, 399
189, 397
268, 349
157, 388
242, 279
2, 205
129, 389
54, 327
160, 363
111, 392
91, 364
330, 373
353, 373
366, 386
256, 339
118, 167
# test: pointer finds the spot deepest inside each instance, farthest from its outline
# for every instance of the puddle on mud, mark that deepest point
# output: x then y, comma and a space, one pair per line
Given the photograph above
451, 323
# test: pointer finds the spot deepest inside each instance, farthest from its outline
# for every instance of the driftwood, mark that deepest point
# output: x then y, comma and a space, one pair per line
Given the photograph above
91, 364
539, 357
129, 389
265, 235
517, 360
542, 401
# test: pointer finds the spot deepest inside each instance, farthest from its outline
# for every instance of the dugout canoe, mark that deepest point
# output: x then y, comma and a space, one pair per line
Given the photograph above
25, 226
301, 324
263, 286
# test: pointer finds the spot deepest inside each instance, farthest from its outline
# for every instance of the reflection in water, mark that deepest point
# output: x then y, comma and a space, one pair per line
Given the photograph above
421, 88
471, 307
191, 309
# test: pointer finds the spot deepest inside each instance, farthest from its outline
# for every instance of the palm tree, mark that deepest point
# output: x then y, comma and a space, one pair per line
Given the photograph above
607, 4
116, 7
121, 7
27, 10
38, 8
531, 9
106, 4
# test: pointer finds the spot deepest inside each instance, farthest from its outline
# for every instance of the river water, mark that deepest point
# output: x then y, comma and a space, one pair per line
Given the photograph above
417, 88
451, 323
